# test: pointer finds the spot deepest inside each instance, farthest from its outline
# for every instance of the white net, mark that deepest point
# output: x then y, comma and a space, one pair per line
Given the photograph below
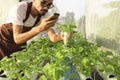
103, 23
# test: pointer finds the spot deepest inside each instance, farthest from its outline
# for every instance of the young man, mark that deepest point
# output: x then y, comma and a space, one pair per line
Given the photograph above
23, 23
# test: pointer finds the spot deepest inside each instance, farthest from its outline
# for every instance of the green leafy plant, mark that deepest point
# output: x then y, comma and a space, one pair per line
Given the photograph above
66, 28
82, 53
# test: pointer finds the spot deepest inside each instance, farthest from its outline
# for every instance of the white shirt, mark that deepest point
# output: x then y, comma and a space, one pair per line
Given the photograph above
18, 14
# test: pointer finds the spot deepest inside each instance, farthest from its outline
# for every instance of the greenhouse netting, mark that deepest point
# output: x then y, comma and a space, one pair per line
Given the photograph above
102, 23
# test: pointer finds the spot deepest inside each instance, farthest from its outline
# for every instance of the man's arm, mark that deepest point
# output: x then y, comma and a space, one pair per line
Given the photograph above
53, 36
20, 37
57, 37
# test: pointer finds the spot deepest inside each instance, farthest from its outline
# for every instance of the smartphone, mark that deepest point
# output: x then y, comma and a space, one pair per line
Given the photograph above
54, 16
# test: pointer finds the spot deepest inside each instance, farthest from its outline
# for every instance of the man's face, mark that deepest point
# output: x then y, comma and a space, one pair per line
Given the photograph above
42, 6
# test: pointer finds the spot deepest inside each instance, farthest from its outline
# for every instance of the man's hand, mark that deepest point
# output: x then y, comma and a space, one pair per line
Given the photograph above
69, 36
66, 37
47, 23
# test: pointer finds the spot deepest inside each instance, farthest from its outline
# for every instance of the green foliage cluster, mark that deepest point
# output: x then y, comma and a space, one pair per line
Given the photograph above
67, 28
82, 53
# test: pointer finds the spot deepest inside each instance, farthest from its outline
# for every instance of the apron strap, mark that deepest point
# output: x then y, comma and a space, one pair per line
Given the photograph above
28, 14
